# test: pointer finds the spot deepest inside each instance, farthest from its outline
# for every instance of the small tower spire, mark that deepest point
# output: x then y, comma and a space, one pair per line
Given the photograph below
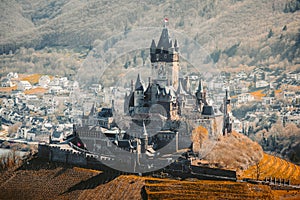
200, 96
93, 109
144, 140
176, 46
153, 46
145, 131
200, 86
180, 89
227, 125
138, 83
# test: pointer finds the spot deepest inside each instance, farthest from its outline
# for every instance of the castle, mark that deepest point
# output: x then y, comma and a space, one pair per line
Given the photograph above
168, 97
167, 89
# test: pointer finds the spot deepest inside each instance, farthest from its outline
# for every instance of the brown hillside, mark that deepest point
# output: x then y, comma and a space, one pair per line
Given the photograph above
38, 179
238, 152
235, 151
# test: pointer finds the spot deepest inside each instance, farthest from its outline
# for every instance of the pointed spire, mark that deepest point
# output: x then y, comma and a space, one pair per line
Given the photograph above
138, 84
180, 89
176, 45
145, 131
164, 40
200, 86
153, 45
92, 110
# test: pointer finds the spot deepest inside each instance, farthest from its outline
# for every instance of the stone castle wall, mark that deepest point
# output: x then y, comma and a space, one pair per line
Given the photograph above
57, 154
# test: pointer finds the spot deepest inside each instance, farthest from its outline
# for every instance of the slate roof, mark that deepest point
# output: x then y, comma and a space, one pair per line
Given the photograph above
164, 41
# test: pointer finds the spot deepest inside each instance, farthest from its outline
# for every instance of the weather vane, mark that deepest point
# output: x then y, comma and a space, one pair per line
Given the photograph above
166, 21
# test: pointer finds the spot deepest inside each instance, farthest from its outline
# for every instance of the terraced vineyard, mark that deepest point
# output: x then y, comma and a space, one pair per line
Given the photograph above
173, 189
123, 187
272, 166
38, 179
54, 181
41, 181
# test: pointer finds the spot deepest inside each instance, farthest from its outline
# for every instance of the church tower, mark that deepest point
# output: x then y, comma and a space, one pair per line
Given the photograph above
165, 59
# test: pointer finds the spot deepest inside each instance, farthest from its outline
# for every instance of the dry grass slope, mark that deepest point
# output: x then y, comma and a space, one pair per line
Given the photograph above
235, 152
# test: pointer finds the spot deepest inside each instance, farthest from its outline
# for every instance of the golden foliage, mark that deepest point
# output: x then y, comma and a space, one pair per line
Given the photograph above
38, 90
32, 79
275, 167
258, 94
8, 89
199, 136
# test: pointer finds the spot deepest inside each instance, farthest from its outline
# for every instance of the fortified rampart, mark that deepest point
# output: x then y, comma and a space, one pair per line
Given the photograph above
57, 154
71, 156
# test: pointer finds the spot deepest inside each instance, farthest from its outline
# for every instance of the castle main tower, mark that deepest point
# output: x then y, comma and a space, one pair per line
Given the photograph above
165, 59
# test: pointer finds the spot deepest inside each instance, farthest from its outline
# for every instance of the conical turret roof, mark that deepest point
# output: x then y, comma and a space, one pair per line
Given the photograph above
138, 83
153, 45
180, 89
200, 86
164, 41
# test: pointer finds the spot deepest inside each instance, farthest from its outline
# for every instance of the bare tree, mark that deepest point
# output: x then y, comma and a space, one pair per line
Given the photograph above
14, 128
199, 135
258, 171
